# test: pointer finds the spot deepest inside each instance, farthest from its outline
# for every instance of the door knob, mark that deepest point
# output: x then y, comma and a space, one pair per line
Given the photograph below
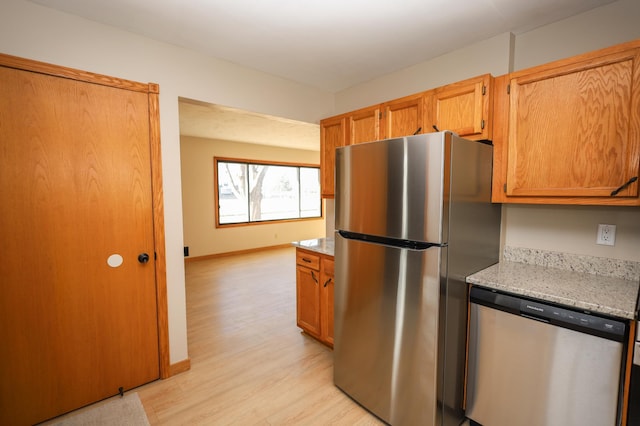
143, 258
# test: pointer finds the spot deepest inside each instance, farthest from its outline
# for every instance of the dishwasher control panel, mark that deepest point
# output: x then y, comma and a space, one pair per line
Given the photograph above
609, 328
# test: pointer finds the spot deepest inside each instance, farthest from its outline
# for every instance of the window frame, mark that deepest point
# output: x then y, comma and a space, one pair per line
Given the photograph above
216, 195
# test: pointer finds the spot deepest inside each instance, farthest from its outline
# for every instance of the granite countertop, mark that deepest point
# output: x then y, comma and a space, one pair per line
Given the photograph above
566, 283
319, 245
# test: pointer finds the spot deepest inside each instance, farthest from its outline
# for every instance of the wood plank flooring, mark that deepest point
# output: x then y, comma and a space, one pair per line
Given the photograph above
250, 364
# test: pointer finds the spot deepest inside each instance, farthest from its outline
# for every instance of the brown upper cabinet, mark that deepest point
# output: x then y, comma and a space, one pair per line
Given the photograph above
333, 134
464, 108
403, 117
568, 132
364, 125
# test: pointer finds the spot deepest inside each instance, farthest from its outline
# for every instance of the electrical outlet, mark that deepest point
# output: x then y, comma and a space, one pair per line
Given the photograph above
606, 235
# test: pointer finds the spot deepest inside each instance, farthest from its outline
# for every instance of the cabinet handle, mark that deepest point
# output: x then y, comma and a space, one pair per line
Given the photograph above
327, 282
623, 186
418, 131
435, 128
304, 259
314, 277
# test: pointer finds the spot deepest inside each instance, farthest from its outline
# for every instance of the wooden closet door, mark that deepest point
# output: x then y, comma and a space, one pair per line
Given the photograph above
75, 186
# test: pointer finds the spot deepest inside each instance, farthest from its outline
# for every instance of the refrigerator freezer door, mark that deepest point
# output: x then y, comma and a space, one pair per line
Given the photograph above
386, 335
393, 188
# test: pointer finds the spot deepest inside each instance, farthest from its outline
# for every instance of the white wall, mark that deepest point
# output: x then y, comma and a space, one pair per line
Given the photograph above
488, 56
572, 229
598, 28
200, 233
568, 229
35, 32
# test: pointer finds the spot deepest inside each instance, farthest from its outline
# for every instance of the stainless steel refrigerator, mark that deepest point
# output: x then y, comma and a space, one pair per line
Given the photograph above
413, 218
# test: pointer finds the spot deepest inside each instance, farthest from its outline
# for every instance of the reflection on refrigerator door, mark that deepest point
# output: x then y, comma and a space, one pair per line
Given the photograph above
413, 219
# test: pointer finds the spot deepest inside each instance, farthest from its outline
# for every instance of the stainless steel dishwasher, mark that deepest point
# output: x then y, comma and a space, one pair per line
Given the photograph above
535, 364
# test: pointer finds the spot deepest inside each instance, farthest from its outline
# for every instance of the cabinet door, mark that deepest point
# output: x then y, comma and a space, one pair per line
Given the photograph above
403, 117
308, 300
326, 303
364, 125
333, 134
574, 129
464, 108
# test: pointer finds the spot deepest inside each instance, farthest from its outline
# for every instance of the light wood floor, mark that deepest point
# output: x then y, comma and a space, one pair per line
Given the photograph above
250, 364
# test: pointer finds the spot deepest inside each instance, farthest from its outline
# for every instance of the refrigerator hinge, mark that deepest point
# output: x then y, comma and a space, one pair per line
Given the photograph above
508, 89
484, 90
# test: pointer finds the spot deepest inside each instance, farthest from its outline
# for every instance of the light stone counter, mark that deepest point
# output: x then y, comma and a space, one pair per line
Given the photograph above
554, 277
319, 245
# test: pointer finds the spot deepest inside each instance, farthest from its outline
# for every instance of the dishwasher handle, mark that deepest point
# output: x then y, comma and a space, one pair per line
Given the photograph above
585, 322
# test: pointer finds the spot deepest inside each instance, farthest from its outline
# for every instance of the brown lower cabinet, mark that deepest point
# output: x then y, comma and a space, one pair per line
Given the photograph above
314, 294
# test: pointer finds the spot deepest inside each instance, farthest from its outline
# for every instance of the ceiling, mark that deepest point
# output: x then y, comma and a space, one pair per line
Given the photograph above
327, 44
204, 120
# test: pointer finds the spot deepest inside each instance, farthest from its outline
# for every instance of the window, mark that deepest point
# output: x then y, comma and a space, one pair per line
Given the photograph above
249, 191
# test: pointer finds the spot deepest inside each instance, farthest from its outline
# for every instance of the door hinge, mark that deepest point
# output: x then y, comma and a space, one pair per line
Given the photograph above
380, 116
508, 89
504, 188
482, 124
484, 90
155, 256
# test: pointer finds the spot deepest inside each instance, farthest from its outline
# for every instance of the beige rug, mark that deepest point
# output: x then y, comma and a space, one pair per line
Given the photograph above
117, 411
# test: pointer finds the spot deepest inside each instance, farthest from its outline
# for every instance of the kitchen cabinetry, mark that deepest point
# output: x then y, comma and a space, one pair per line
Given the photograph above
464, 108
326, 300
333, 134
314, 294
568, 132
403, 117
364, 125
308, 292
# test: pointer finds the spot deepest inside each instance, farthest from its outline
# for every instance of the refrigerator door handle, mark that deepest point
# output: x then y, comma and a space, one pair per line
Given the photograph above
393, 242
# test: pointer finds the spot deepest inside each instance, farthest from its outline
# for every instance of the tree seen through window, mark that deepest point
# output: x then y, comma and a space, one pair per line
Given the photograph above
255, 192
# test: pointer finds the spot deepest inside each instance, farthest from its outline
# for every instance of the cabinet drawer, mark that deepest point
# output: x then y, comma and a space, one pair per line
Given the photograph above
304, 258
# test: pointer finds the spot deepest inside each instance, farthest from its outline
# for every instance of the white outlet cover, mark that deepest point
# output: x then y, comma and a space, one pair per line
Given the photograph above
606, 235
